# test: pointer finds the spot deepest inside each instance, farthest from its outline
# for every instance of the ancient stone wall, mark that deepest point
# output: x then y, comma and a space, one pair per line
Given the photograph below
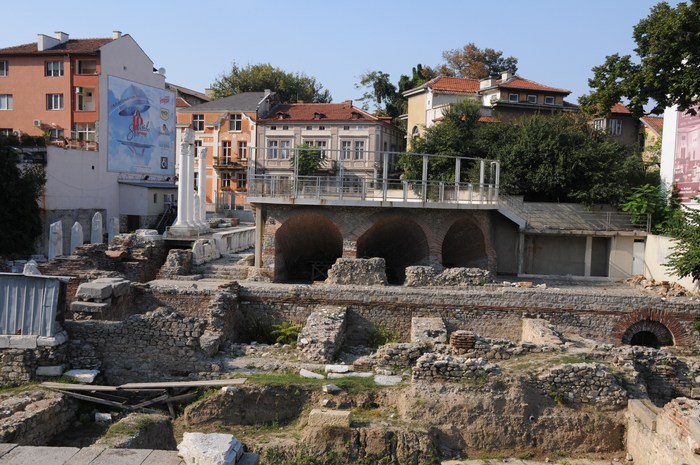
441, 367
582, 383
34, 417
20, 365
493, 312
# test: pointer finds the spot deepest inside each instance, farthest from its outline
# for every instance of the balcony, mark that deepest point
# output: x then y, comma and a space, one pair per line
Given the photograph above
229, 164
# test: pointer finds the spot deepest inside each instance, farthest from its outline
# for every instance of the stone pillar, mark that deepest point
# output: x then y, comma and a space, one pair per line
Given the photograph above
96, 230
189, 185
188, 139
588, 256
203, 187
197, 211
55, 240
112, 228
76, 237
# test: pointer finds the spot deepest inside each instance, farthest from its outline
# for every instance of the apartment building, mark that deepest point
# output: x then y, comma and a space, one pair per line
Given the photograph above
352, 140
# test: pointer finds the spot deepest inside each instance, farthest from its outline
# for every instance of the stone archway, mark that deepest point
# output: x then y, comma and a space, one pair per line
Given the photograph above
464, 246
648, 333
306, 245
400, 241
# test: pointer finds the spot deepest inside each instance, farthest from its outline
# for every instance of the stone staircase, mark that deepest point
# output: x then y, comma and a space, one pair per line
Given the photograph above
231, 267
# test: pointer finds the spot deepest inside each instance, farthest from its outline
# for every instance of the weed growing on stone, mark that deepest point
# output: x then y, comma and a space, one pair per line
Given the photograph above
381, 335
286, 333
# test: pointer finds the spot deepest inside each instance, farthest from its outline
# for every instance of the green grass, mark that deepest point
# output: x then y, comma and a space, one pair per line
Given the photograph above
130, 426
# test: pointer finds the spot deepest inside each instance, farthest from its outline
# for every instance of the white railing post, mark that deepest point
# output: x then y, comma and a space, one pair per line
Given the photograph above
385, 175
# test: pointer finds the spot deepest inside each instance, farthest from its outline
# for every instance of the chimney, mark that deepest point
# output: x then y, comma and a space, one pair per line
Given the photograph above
45, 42
61, 36
486, 83
505, 75
116, 34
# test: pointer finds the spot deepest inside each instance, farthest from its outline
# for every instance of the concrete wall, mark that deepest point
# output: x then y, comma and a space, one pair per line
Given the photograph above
658, 248
557, 255
621, 254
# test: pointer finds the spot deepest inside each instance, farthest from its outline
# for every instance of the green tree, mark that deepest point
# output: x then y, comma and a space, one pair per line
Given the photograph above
309, 159
20, 190
651, 202
385, 98
560, 158
454, 136
290, 87
667, 68
685, 258
473, 62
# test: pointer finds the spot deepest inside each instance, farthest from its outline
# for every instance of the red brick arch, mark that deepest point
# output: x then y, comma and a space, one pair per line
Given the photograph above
680, 337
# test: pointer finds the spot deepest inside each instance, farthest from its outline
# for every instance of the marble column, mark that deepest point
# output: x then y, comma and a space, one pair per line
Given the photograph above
189, 185
96, 229
202, 188
55, 240
181, 225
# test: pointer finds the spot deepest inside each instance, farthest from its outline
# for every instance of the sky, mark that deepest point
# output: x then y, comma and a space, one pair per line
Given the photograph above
556, 42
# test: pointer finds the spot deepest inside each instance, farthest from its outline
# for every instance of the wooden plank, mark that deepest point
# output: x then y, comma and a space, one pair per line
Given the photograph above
146, 403
79, 387
96, 400
171, 384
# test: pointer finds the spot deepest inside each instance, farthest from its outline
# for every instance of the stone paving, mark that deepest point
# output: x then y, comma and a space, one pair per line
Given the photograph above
12, 454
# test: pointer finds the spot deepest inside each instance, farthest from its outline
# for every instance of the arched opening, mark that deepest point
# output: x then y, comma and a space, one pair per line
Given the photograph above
399, 241
648, 333
464, 246
306, 246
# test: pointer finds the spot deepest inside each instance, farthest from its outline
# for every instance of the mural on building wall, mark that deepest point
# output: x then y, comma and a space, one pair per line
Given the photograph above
686, 165
141, 128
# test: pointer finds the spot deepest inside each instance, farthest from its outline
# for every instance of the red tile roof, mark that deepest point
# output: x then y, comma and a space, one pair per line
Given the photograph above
454, 85
318, 112
517, 82
72, 46
656, 123
181, 103
620, 108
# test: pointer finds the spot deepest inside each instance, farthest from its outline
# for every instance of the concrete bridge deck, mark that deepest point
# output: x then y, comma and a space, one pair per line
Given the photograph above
12, 454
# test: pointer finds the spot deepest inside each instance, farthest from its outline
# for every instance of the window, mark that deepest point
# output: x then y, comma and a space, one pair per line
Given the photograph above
285, 128
226, 151
322, 144
196, 180
615, 127
415, 132
56, 133
85, 100
513, 98
346, 128
54, 101
234, 122
241, 181
5, 132
3, 68
599, 124
198, 122
5, 101
273, 128
359, 150
272, 149
309, 128
549, 100
86, 67
531, 99
54, 68
345, 149
226, 180
243, 150
284, 146
197, 146
321, 128
84, 131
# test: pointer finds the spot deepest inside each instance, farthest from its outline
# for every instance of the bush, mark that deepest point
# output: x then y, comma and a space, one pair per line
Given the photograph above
286, 333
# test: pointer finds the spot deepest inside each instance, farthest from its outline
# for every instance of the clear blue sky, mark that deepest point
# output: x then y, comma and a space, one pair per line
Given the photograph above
557, 42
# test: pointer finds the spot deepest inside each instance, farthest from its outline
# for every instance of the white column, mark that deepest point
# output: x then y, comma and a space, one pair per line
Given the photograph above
187, 140
190, 189
203, 187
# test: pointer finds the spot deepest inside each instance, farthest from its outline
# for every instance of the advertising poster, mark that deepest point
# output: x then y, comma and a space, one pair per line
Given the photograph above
686, 165
141, 128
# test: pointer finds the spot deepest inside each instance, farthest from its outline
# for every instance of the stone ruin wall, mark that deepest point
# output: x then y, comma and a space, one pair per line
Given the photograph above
20, 365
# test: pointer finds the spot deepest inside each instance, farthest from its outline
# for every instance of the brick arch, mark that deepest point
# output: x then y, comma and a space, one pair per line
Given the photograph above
476, 228
649, 320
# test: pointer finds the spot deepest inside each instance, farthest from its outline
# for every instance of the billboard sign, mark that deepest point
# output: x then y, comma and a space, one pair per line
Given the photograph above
686, 164
141, 125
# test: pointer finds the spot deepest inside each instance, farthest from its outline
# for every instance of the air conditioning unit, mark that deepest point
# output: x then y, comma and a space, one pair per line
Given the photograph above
78, 90
17, 133
37, 122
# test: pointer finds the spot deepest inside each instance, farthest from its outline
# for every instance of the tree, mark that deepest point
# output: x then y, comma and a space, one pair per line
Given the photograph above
560, 158
454, 136
20, 190
685, 258
308, 158
290, 87
386, 98
472, 62
666, 71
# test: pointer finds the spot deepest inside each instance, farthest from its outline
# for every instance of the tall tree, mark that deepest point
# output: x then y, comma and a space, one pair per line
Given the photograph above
385, 98
20, 190
666, 71
290, 87
473, 62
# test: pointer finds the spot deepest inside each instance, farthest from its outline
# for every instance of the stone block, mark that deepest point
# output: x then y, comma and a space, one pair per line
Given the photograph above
538, 331
163, 457
57, 340
337, 368
85, 456
54, 370
330, 418
387, 380
82, 376
304, 373
643, 413
4, 341
89, 307
120, 287
32, 455
23, 342
351, 374
209, 449
430, 330
94, 290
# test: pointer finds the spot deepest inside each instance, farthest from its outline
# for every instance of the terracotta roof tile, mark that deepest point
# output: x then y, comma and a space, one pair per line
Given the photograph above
455, 85
297, 112
181, 103
70, 46
654, 122
620, 108
517, 82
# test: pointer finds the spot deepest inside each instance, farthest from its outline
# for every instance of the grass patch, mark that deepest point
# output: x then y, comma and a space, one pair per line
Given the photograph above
130, 426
